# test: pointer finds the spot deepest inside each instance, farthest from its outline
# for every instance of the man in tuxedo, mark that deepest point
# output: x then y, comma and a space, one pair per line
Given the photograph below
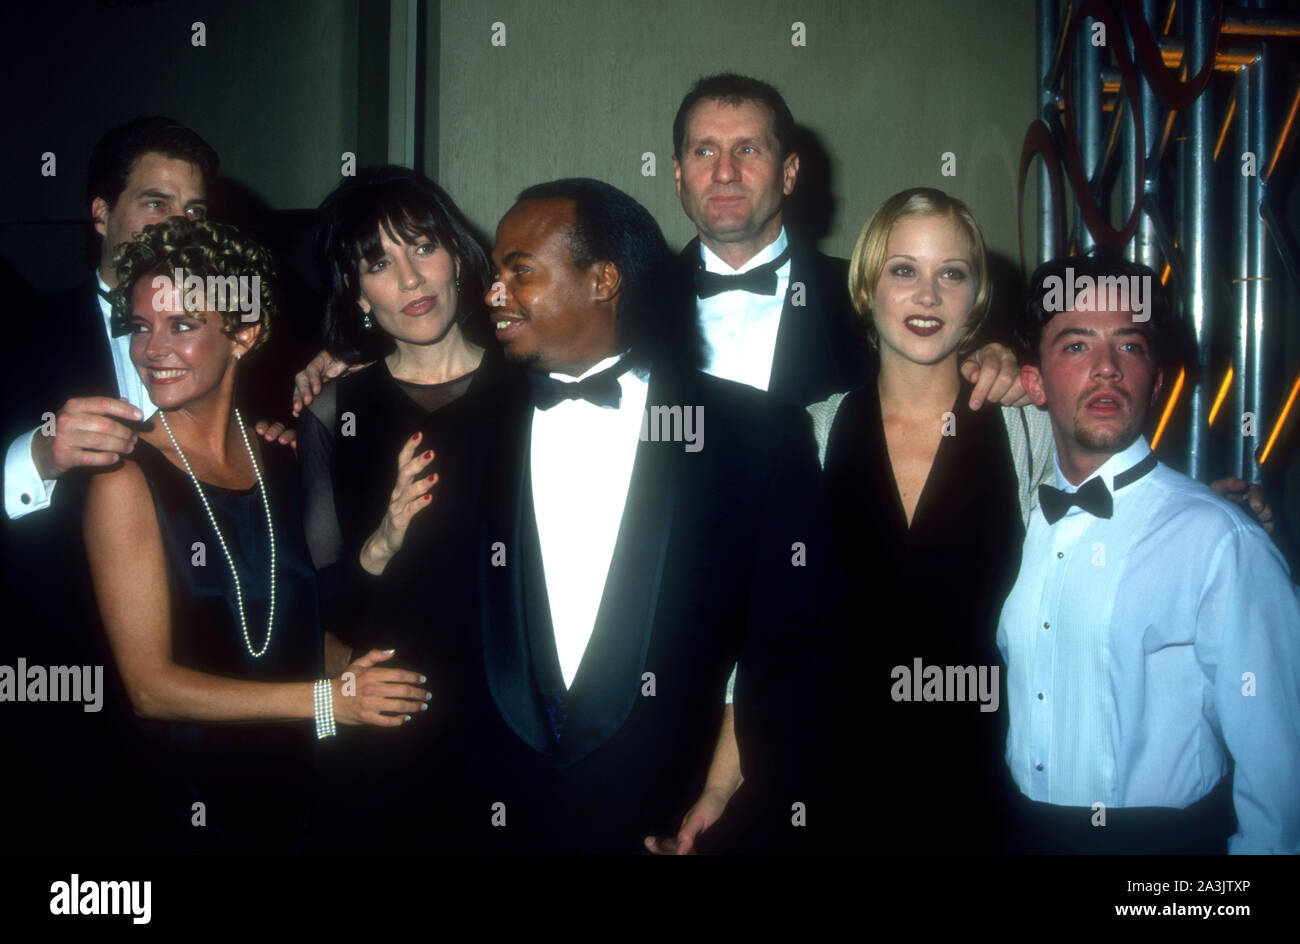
775, 311
627, 560
1152, 638
71, 397
140, 173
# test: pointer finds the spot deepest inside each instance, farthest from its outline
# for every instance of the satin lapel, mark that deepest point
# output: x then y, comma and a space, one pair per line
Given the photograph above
690, 256
800, 343
94, 371
501, 585
608, 682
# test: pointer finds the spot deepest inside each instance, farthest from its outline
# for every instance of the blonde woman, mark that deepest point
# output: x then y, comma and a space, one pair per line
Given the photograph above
927, 499
201, 569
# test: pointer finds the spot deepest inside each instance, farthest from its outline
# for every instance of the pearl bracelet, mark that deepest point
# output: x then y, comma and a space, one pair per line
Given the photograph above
323, 696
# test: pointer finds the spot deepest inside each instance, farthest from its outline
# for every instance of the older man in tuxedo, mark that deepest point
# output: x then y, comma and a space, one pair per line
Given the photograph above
775, 311
643, 528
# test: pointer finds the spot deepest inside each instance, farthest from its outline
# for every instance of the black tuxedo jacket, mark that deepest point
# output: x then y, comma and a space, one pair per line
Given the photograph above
721, 557
60, 350
819, 347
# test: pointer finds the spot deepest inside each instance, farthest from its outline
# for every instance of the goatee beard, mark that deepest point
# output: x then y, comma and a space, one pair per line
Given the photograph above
1106, 441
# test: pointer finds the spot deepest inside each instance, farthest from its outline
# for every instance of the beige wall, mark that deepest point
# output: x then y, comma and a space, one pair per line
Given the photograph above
584, 87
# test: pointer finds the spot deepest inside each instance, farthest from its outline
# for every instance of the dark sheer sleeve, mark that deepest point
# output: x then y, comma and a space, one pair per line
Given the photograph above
315, 454
342, 586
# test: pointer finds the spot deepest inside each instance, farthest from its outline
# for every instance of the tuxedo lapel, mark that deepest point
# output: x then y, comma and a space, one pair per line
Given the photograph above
816, 353
802, 356
608, 682
94, 373
508, 519
518, 637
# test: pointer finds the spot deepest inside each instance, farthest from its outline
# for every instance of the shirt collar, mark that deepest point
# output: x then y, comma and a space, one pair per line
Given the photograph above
590, 371
712, 263
105, 307
1116, 464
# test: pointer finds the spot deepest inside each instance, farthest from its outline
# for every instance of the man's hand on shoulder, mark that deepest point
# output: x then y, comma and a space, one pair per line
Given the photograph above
994, 371
1249, 497
88, 431
323, 368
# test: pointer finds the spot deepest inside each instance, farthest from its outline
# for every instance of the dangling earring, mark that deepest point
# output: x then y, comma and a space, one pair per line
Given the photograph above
366, 323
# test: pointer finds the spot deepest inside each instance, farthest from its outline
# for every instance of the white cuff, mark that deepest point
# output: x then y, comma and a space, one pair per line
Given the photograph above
731, 686
25, 490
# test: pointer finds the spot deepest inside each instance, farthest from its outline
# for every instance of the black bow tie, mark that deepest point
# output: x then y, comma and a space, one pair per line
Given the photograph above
1093, 496
601, 389
760, 280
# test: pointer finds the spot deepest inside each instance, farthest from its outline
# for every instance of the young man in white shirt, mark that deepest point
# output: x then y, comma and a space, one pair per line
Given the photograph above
1152, 638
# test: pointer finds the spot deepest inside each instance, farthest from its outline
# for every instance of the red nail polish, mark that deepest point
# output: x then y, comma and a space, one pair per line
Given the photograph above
429, 454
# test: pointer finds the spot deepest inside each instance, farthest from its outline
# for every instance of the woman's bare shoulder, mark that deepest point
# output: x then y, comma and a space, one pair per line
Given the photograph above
119, 496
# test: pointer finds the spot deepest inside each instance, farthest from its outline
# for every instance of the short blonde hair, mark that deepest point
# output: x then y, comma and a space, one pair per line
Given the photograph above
202, 248
868, 261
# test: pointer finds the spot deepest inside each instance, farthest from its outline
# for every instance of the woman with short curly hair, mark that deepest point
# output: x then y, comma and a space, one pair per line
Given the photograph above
201, 570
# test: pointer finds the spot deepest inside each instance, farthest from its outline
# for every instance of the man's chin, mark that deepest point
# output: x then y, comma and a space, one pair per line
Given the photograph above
729, 230
528, 360
1106, 439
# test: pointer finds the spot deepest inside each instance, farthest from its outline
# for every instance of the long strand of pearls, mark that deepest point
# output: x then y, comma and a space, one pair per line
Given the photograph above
270, 528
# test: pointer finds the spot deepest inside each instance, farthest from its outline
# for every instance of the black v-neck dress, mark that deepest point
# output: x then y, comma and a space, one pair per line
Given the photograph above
921, 776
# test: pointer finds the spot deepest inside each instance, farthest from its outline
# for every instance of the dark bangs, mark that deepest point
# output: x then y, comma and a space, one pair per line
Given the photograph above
400, 223
407, 207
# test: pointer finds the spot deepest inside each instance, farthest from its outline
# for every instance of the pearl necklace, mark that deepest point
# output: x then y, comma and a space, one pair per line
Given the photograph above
239, 594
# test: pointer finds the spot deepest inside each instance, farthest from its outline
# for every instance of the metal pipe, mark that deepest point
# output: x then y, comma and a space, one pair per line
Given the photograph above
1239, 265
1198, 235
1227, 60
1131, 187
1087, 88
1145, 249
1288, 252
1260, 23
1257, 370
1110, 147
1048, 26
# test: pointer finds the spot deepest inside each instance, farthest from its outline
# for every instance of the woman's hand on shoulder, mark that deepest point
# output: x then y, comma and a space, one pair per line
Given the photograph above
277, 432
368, 693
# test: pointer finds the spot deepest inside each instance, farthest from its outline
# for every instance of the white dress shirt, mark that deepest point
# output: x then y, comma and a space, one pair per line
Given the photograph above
741, 327
582, 457
22, 480
1144, 649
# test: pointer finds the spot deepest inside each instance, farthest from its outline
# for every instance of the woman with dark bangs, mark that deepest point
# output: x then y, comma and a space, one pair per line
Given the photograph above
406, 279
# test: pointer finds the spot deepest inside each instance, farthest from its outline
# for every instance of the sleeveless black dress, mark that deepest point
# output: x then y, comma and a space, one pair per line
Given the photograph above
922, 776
253, 780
